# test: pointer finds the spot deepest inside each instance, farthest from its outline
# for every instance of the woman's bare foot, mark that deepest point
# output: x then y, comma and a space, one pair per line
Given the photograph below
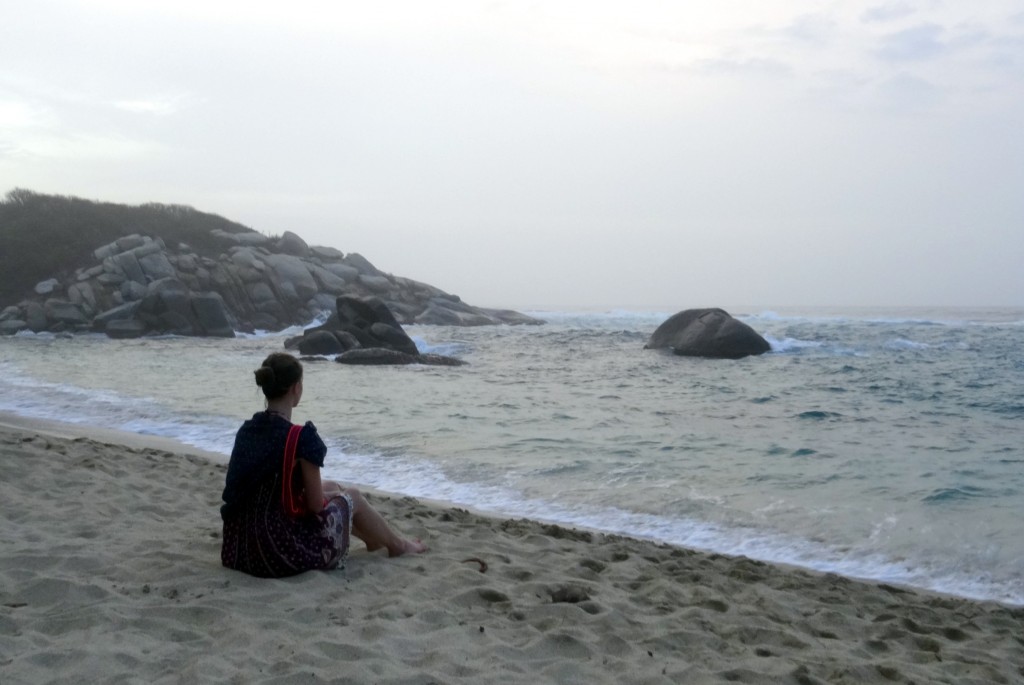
408, 547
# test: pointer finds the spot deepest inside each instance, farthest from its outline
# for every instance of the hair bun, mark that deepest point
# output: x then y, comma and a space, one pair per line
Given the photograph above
279, 372
264, 376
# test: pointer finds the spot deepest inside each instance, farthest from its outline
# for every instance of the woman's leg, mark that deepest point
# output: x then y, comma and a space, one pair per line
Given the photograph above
370, 527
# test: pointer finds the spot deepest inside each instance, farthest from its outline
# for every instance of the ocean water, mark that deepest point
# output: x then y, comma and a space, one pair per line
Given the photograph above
877, 444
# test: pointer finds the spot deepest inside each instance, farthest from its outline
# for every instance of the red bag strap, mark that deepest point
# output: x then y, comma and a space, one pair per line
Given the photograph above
291, 500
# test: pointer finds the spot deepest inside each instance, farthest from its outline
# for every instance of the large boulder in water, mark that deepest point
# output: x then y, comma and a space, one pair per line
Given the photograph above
358, 322
365, 332
326, 342
707, 333
370, 321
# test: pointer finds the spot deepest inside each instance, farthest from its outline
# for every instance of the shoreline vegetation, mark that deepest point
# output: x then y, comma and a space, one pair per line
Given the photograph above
111, 572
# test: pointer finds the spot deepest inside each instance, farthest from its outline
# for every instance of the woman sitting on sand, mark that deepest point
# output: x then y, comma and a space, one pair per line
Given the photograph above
262, 538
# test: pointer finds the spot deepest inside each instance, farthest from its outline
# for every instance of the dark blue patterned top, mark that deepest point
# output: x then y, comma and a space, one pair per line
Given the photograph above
258, 455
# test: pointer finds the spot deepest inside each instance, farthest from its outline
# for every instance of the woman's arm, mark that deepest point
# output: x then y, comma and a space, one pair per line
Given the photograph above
314, 489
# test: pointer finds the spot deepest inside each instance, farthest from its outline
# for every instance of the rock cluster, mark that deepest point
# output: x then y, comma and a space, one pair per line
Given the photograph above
707, 333
364, 331
137, 285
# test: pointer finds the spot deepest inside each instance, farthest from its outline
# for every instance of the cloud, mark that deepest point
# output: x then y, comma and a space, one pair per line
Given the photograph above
22, 123
889, 11
42, 121
907, 93
1008, 55
814, 29
87, 147
17, 114
155, 106
913, 44
759, 66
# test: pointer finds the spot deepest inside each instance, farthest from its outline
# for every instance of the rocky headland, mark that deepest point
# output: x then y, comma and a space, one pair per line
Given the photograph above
229, 279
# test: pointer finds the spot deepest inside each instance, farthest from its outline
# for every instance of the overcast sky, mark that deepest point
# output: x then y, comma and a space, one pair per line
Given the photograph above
555, 154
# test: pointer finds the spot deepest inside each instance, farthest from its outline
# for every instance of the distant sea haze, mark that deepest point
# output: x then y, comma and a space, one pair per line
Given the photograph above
879, 444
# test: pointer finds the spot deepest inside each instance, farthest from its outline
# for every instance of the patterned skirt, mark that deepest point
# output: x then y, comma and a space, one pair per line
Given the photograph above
261, 540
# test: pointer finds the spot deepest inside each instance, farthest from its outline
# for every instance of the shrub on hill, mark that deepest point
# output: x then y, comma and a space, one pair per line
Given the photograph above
42, 236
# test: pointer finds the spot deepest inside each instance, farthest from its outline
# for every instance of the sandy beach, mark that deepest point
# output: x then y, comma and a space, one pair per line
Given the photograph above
110, 572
